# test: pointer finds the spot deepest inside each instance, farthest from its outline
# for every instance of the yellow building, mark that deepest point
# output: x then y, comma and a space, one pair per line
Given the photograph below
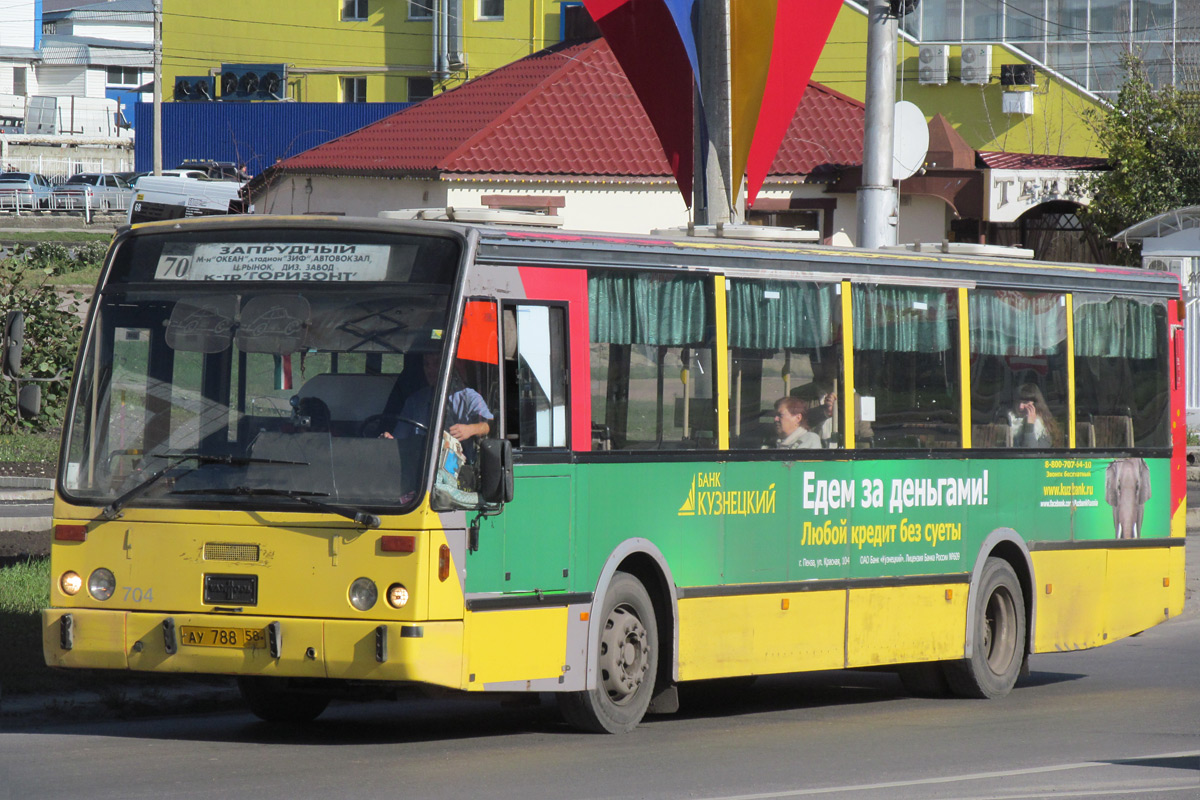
359, 50
961, 80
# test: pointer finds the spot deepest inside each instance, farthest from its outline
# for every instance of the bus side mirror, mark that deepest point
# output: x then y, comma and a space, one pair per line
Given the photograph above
14, 343
495, 471
29, 401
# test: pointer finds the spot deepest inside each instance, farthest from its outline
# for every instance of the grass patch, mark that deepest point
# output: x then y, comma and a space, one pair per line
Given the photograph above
70, 237
84, 279
24, 592
17, 448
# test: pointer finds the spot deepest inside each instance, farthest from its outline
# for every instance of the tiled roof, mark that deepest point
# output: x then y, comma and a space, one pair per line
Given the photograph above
998, 160
565, 111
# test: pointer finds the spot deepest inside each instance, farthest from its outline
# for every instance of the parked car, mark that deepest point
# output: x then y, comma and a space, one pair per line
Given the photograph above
20, 190
96, 190
220, 170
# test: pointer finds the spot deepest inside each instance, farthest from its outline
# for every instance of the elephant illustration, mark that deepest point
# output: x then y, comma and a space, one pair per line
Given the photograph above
1126, 489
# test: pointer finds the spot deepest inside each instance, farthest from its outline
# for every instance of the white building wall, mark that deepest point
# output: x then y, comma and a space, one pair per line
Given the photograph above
62, 80
622, 208
114, 31
6, 79
617, 208
16, 23
97, 82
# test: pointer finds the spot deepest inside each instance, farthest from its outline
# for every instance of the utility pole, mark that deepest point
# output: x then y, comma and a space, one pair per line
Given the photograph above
877, 221
711, 194
158, 166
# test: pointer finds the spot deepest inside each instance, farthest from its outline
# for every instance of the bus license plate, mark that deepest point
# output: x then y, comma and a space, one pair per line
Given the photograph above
208, 636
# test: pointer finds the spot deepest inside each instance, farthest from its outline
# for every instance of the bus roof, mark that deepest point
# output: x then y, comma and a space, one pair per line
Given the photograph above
531, 247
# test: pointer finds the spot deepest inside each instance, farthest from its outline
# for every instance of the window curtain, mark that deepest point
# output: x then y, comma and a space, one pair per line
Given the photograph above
898, 319
1016, 323
647, 309
1116, 327
774, 315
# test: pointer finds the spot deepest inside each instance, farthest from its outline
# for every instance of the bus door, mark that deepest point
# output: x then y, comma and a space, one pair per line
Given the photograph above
527, 546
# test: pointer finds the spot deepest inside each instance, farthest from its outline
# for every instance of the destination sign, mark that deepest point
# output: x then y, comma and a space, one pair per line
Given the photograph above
302, 262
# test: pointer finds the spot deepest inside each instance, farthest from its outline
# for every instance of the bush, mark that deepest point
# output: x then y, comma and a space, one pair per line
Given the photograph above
90, 255
52, 332
50, 256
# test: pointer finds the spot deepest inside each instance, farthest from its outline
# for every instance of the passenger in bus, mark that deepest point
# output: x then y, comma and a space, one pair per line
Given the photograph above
467, 415
792, 428
1032, 423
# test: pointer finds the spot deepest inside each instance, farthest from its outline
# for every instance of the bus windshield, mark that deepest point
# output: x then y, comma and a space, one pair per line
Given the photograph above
242, 369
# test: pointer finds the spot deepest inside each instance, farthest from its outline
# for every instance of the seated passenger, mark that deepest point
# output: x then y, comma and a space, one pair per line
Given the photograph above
1032, 423
791, 426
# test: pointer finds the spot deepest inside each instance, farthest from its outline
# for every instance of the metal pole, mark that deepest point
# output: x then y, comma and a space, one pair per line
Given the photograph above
158, 165
714, 152
876, 195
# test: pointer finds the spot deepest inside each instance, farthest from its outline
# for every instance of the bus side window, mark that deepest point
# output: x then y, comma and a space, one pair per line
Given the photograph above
652, 347
906, 362
535, 375
1121, 382
1018, 355
783, 341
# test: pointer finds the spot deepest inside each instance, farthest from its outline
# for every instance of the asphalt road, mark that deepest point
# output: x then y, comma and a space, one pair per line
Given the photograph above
1119, 721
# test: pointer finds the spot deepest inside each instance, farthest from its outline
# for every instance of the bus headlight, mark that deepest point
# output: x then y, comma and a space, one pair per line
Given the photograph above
101, 584
363, 594
397, 595
70, 583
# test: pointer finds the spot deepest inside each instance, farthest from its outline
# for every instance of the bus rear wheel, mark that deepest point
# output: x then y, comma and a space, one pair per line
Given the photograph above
271, 700
625, 664
999, 636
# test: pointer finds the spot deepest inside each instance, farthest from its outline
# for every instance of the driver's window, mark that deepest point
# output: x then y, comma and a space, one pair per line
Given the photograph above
469, 412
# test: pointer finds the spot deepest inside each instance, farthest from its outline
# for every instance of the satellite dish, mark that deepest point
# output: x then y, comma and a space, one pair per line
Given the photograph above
910, 140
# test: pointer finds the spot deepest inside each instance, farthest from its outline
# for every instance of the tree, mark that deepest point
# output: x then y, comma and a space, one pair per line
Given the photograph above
1153, 141
52, 330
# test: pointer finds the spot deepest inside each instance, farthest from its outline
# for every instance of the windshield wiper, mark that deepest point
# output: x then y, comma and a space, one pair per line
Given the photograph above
113, 509
364, 518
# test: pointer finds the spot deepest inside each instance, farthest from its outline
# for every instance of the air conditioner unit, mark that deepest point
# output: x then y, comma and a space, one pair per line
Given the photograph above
1017, 103
976, 66
933, 65
1164, 264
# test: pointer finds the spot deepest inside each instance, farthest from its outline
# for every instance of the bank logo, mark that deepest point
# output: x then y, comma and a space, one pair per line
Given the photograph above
708, 498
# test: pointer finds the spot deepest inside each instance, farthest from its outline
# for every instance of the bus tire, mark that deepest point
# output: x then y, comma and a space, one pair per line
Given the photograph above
270, 700
999, 636
626, 662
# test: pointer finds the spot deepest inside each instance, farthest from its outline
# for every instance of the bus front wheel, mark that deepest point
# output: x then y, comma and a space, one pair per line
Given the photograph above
271, 700
625, 663
999, 636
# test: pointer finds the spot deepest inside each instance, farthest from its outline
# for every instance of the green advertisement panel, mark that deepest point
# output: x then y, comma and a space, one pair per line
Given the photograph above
755, 522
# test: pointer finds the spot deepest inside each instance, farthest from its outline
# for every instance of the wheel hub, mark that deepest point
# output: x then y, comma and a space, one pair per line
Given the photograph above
624, 654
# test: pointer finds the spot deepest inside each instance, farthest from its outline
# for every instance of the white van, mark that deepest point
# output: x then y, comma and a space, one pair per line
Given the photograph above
156, 198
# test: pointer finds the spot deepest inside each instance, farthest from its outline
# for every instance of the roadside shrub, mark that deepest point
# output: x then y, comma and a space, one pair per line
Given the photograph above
51, 256
52, 331
90, 255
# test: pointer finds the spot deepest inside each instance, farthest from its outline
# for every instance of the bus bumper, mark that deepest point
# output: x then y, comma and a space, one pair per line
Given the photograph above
425, 652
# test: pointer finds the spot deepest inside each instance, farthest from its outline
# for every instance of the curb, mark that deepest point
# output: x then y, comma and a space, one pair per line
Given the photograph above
45, 484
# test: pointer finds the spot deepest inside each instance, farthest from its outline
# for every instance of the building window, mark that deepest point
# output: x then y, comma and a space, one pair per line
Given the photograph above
20, 81
419, 89
354, 9
420, 9
123, 76
491, 9
354, 90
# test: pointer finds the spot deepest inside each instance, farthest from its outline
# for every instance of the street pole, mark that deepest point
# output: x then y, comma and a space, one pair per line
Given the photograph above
158, 166
877, 219
714, 147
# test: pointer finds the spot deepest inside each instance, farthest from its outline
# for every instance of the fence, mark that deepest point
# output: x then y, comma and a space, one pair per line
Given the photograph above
56, 169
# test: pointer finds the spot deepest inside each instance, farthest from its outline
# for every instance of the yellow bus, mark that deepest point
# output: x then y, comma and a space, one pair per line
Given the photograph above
316, 453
